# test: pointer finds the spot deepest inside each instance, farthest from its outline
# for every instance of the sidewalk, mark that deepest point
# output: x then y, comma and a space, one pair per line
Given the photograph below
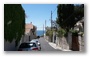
57, 47
65, 46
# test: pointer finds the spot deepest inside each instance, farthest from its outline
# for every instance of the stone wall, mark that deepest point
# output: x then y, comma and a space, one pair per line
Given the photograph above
62, 42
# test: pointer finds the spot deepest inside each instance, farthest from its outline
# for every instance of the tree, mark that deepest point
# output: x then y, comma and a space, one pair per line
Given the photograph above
69, 14
64, 12
79, 12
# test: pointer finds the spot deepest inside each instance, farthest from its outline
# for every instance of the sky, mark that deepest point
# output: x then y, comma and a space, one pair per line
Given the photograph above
38, 13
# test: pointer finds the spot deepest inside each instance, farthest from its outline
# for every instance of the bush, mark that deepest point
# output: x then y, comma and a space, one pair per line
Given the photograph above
49, 33
61, 32
74, 32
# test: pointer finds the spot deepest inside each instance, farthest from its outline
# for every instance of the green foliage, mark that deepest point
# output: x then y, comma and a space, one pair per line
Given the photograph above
61, 32
64, 11
15, 14
79, 11
74, 32
69, 14
49, 33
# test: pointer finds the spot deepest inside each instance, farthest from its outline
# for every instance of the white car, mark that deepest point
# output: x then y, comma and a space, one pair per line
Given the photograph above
28, 47
37, 42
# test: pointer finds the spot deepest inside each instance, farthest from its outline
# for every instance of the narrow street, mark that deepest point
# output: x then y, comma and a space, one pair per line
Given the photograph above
45, 46
60, 28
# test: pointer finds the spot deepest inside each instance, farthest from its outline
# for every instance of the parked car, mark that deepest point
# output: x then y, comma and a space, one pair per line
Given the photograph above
37, 42
38, 37
28, 47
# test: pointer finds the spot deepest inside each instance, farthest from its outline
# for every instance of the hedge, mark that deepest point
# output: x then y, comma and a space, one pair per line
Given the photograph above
15, 14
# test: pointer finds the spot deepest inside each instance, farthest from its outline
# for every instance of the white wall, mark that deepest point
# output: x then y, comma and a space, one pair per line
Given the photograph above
81, 43
70, 39
53, 37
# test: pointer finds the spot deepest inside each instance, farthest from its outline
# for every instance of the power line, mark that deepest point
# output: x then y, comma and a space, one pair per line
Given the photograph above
54, 10
51, 20
68, 17
51, 16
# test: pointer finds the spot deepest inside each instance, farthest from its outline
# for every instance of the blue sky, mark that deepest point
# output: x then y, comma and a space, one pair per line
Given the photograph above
38, 13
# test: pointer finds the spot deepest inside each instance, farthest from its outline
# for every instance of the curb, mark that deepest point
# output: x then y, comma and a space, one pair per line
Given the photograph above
57, 47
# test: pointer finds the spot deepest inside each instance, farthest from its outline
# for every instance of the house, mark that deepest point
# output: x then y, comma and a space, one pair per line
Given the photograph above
30, 32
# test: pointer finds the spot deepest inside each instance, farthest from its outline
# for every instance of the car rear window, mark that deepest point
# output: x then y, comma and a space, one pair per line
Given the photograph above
27, 45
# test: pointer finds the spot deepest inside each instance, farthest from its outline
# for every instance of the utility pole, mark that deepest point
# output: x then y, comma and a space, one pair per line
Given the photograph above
43, 29
51, 20
45, 25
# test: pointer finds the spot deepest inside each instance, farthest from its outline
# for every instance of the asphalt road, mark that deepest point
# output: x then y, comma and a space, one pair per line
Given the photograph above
45, 46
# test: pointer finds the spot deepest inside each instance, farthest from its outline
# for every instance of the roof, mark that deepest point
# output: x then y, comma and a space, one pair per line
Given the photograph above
29, 26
